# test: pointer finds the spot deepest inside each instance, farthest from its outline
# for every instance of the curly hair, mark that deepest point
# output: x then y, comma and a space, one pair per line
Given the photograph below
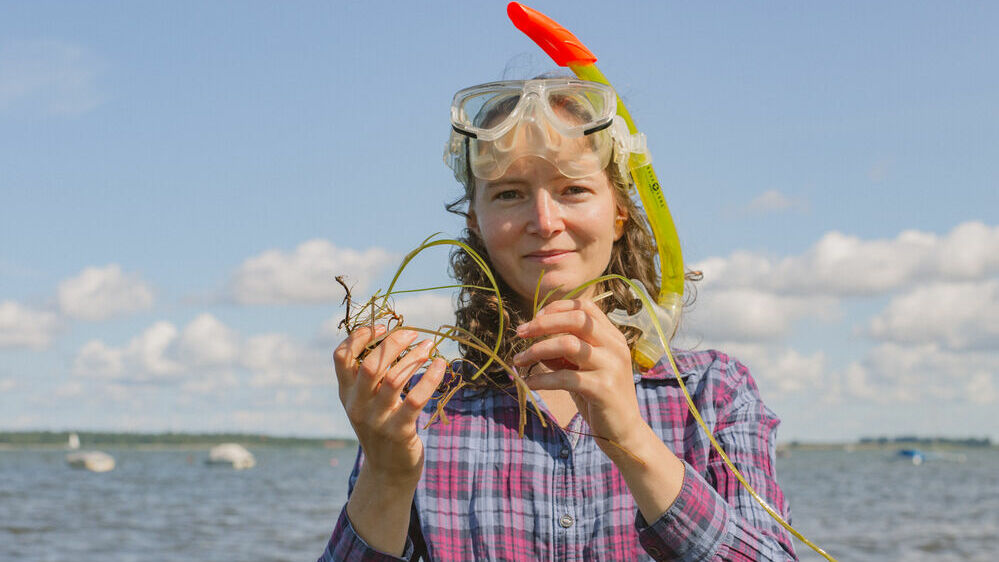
633, 256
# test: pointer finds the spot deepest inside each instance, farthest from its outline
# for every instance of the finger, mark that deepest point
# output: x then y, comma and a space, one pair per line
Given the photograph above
345, 354
560, 305
420, 394
395, 379
585, 305
376, 364
573, 381
409, 362
354, 344
565, 346
580, 322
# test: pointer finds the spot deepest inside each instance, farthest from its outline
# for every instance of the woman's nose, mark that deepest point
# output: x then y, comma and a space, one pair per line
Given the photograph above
546, 216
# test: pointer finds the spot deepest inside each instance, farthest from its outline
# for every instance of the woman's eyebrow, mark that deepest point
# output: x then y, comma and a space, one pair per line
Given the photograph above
506, 182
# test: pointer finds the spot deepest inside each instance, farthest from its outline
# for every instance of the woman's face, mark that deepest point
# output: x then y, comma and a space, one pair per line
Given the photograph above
534, 219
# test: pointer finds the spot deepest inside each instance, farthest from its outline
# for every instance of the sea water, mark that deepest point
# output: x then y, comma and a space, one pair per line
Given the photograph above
168, 505
877, 505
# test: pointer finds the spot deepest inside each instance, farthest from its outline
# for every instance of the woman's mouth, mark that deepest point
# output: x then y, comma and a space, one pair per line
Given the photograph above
548, 256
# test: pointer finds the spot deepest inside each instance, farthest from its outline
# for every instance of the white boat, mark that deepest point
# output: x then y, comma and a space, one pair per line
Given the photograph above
232, 454
94, 461
74, 442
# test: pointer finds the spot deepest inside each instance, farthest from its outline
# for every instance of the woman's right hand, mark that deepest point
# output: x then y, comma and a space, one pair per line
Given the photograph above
370, 390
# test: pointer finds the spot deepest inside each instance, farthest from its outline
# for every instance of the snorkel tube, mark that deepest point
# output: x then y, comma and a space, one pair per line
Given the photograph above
568, 51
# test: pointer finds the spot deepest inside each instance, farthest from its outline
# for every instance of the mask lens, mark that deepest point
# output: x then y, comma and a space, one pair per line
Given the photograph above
580, 109
481, 111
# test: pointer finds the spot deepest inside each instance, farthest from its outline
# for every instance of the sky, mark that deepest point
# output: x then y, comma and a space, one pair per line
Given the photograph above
181, 181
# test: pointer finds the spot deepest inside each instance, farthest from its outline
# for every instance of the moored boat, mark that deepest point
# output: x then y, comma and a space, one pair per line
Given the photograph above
232, 454
94, 461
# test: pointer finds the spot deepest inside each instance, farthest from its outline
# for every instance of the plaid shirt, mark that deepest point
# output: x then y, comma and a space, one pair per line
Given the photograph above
486, 494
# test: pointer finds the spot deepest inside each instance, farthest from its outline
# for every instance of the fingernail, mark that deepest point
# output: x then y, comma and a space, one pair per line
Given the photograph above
522, 329
379, 329
516, 358
425, 344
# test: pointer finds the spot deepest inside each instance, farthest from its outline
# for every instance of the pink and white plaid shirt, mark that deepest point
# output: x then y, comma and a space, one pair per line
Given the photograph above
487, 494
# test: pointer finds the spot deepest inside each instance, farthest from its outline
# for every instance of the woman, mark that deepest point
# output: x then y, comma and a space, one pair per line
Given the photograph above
619, 471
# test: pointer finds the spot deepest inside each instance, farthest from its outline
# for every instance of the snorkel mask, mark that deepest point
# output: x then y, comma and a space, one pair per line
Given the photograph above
572, 124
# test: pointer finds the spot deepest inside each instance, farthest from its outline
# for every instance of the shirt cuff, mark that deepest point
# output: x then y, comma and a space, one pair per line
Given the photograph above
692, 528
347, 546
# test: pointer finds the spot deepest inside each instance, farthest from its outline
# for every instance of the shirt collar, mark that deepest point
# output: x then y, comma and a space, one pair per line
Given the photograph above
663, 370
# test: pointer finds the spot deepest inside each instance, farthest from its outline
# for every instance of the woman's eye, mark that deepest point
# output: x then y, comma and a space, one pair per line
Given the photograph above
576, 190
506, 195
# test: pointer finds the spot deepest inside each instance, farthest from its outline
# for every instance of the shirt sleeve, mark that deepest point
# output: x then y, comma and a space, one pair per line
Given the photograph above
714, 517
345, 545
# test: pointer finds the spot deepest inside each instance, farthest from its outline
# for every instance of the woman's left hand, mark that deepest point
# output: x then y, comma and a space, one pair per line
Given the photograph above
590, 359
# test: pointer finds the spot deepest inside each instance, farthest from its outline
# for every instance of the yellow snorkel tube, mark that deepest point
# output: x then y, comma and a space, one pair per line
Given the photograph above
566, 50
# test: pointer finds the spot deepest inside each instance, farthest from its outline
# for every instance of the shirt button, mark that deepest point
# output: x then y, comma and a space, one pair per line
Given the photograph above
564, 453
566, 521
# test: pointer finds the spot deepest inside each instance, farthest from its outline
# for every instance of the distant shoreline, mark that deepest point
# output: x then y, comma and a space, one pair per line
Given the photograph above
195, 441
160, 441
882, 443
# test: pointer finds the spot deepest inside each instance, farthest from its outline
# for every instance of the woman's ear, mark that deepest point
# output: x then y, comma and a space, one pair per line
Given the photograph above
472, 222
619, 220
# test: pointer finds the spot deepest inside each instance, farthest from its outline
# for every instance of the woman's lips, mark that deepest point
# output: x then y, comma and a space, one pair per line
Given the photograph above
552, 256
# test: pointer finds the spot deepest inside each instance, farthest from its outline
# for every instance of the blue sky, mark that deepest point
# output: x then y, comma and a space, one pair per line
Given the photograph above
179, 182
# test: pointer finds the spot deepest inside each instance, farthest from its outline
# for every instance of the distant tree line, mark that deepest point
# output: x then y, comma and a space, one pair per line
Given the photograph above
109, 439
911, 439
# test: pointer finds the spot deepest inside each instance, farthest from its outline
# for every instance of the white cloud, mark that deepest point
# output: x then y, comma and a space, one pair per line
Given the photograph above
970, 251
145, 357
981, 389
206, 356
751, 315
7, 384
891, 373
210, 382
149, 350
277, 360
857, 382
900, 375
779, 369
148, 357
69, 390
207, 341
792, 371
773, 201
21, 326
938, 333
98, 293
843, 265
958, 315
95, 359
48, 77
307, 274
